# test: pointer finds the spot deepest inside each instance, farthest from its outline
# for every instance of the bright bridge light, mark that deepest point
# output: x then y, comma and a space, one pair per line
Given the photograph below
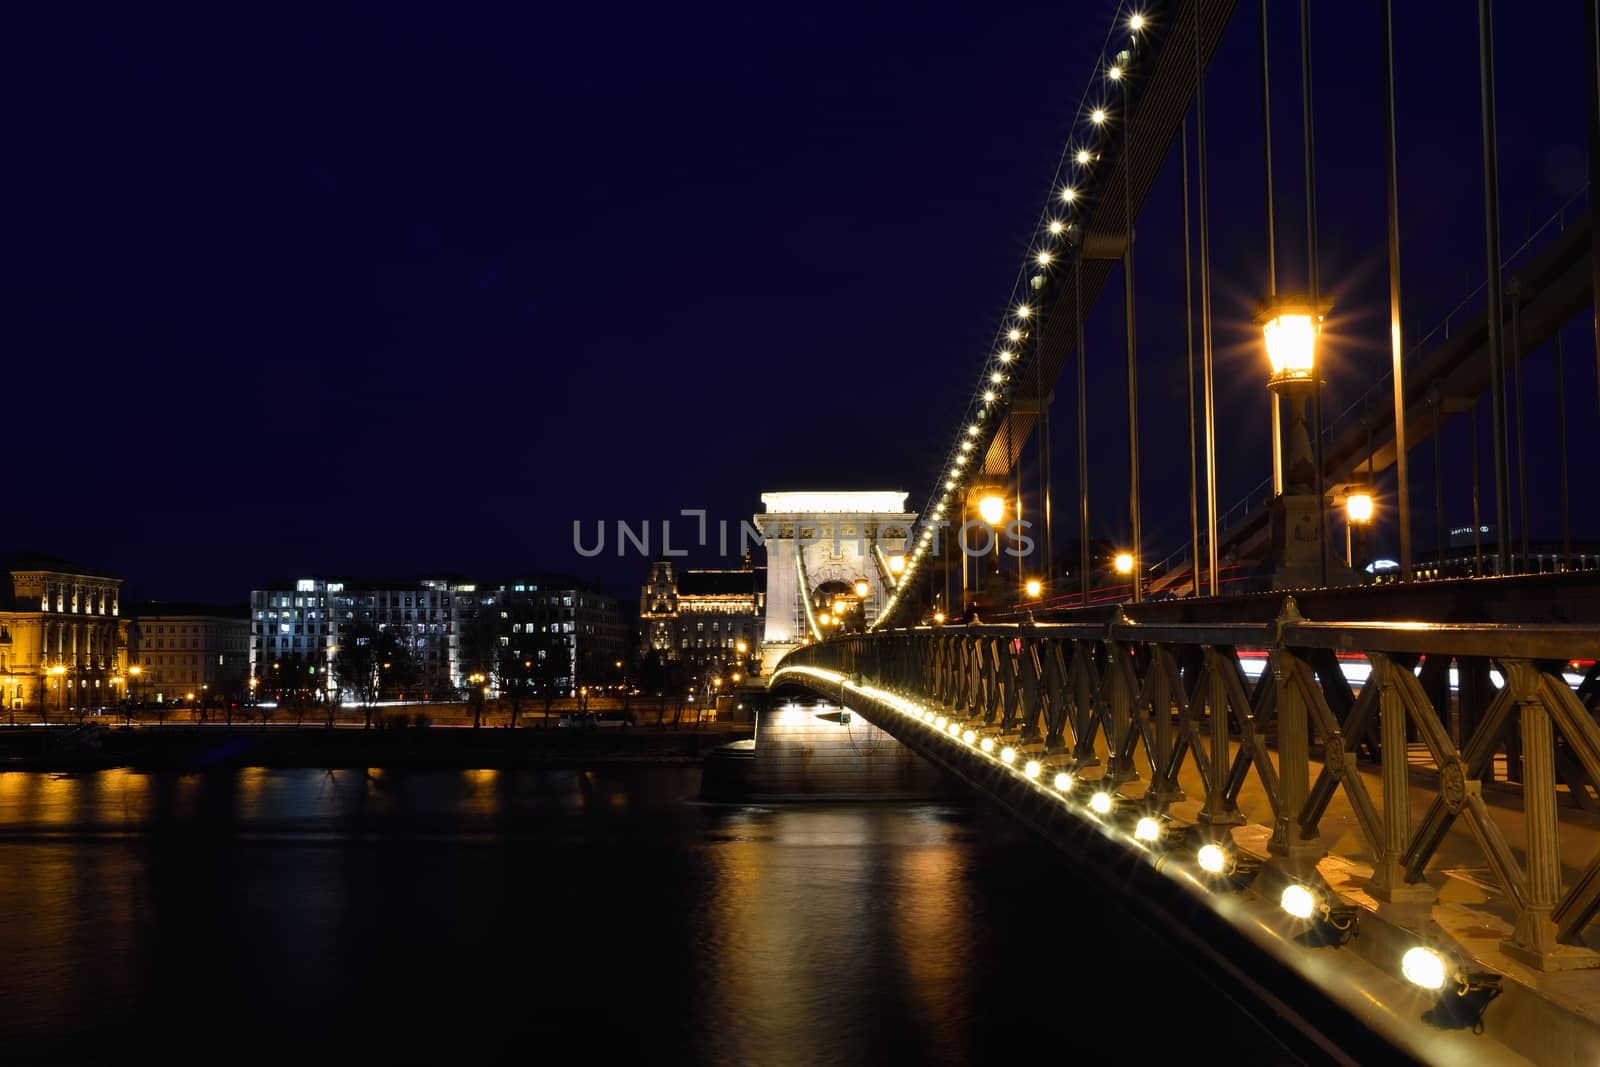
968, 736
1424, 967
953, 729
1147, 830
988, 744
1056, 226
1014, 335
1063, 781
988, 398
1212, 859
1069, 194
992, 509
1298, 901
1044, 259
1008, 755
1031, 768
1098, 116
940, 721
1083, 156
1100, 803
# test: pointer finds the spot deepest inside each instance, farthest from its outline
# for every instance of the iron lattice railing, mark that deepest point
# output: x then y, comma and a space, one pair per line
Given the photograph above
1155, 698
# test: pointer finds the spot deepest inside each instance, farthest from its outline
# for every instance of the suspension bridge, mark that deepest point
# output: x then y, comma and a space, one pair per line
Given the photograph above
1379, 776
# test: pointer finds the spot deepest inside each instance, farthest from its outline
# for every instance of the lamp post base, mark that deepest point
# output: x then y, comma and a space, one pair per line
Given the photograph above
1294, 557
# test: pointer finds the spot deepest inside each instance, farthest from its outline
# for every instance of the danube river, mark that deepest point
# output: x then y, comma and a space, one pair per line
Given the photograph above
470, 916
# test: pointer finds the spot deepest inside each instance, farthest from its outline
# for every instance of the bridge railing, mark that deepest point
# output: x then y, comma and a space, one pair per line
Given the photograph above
1157, 701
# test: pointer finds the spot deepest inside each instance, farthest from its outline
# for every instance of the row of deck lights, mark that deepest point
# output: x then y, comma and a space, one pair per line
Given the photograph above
1420, 965
993, 388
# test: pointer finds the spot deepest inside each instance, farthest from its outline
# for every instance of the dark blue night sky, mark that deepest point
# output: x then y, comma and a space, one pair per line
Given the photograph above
395, 289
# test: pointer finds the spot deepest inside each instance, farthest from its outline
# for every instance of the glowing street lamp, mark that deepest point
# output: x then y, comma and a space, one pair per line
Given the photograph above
1123, 562
1358, 511
992, 509
1292, 327
897, 564
863, 587
1034, 587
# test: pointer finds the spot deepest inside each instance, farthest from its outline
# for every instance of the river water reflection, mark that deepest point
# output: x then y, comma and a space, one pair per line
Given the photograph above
478, 915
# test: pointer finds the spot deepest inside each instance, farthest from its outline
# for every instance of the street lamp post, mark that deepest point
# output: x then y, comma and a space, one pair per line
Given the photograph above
992, 510
58, 671
1291, 326
1357, 512
1125, 564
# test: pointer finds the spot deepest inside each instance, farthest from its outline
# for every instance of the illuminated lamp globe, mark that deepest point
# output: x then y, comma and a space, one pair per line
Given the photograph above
1291, 327
1123, 562
1358, 508
897, 564
1032, 768
1034, 588
863, 587
1064, 781
992, 509
1298, 901
1100, 803
1424, 967
1214, 859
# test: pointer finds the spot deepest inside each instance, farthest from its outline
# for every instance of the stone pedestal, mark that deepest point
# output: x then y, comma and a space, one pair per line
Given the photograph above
1294, 554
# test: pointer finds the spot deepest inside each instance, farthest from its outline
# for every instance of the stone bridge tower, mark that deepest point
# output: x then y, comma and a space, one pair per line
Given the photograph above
819, 546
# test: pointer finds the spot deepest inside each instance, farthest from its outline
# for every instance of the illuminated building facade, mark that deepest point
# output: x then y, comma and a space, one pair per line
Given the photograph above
300, 623
534, 614
700, 616
188, 648
63, 644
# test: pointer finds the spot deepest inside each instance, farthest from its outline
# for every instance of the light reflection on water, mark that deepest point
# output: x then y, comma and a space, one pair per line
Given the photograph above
445, 916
